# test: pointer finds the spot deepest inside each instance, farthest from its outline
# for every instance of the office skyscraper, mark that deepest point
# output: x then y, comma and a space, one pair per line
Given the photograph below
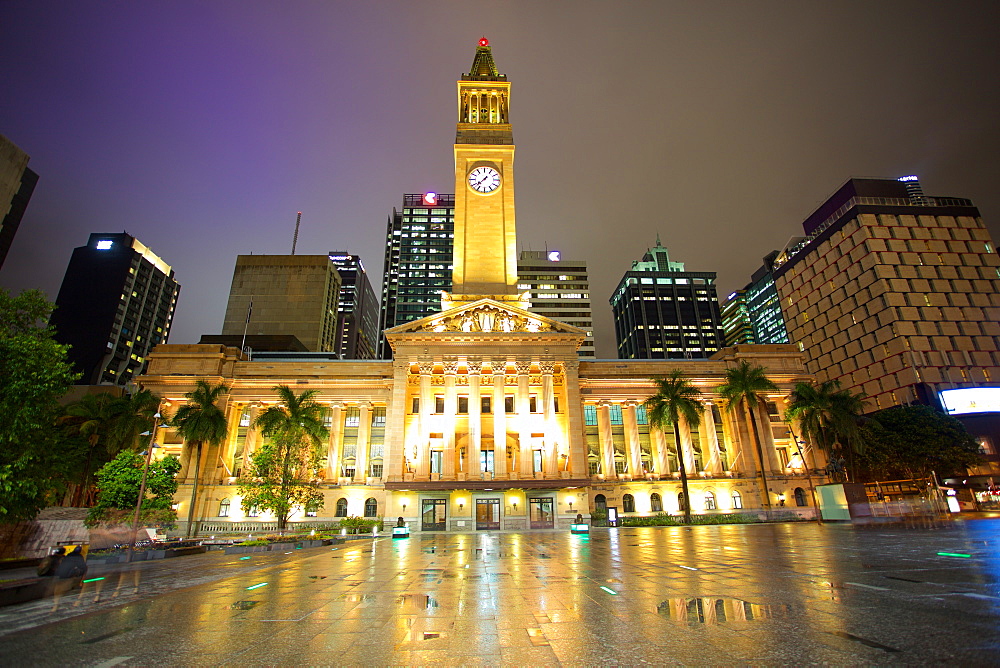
419, 245
281, 295
736, 323
559, 290
893, 293
17, 183
357, 309
663, 311
116, 303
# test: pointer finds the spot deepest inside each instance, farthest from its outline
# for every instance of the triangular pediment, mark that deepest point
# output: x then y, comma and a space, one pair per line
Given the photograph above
484, 316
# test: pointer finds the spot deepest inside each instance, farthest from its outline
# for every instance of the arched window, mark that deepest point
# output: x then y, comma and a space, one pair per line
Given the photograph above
737, 500
800, 496
681, 502
655, 503
371, 508
341, 508
709, 500
628, 503
253, 512
600, 502
224, 508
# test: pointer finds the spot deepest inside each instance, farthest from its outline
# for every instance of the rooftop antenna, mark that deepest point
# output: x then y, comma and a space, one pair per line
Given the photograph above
295, 238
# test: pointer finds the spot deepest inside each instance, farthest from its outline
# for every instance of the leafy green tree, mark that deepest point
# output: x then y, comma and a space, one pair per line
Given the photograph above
132, 415
284, 470
675, 399
118, 484
744, 388
200, 421
829, 416
905, 442
34, 373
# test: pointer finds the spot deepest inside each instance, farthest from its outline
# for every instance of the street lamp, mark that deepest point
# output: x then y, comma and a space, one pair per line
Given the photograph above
142, 487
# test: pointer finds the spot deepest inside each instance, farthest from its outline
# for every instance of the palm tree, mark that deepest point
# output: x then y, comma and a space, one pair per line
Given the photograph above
91, 418
745, 386
297, 432
675, 398
132, 416
198, 421
829, 416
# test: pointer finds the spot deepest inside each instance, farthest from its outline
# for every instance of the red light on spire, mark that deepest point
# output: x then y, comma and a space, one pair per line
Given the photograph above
484, 42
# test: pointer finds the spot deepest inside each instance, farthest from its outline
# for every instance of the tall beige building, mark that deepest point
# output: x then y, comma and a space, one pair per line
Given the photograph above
485, 418
897, 295
285, 295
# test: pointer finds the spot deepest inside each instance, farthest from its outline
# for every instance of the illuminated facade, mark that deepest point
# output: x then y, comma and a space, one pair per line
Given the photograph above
736, 323
115, 304
485, 418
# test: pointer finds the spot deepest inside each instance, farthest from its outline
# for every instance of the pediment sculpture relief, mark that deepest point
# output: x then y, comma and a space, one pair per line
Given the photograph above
487, 319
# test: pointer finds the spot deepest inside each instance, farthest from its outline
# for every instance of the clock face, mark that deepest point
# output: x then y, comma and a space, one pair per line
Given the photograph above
484, 179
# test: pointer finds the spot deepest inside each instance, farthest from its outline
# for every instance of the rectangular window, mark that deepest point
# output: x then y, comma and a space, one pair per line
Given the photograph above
439, 403
555, 400
486, 461
508, 404
537, 460
463, 405
532, 404
437, 460
416, 405
486, 404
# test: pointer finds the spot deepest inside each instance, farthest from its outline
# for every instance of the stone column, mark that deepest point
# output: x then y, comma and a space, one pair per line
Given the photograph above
426, 407
686, 450
660, 451
522, 407
771, 462
607, 444
450, 406
634, 452
364, 432
474, 366
334, 464
499, 366
713, 461
554, 438
400, 426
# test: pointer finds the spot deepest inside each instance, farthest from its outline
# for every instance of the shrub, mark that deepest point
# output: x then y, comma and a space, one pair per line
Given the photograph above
255, 541
358, 525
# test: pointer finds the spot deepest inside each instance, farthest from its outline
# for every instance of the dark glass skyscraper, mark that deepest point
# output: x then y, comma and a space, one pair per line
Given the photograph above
357, 309
419, 244
116, 303
763, 305
664, 312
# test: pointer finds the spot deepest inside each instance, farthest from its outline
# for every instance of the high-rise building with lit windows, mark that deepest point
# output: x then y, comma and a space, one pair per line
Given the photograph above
357, 309
419, 246
662, 311
559, 290
736, 320
116, 303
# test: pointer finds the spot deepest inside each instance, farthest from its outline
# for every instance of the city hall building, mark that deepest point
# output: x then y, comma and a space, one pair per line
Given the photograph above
486, 418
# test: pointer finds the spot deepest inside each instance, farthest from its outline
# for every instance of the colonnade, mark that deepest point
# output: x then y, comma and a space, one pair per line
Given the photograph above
513, 437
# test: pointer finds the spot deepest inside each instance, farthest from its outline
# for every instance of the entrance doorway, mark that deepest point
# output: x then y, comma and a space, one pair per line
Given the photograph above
433, 514
487, 514
540, 513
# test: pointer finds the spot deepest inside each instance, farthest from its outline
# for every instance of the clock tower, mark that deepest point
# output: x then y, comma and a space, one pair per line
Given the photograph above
485, 253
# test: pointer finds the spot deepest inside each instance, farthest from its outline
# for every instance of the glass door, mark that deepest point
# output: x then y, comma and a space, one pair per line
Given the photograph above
433, 514
487, 514
540, 513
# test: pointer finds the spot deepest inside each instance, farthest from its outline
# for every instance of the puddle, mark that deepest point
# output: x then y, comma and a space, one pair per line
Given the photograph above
417, 601
356, 598
243, 605
709, 611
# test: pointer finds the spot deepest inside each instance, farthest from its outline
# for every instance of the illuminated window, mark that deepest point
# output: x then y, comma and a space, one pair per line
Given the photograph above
341, 508
371, 507
224, 508
709, 501
737, 500
628, 503
655, 503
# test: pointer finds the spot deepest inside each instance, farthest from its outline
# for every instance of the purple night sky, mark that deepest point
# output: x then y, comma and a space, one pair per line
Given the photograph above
202, 127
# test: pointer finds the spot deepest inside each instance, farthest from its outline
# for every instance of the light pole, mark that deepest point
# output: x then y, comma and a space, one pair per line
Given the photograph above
142, 487
812, 488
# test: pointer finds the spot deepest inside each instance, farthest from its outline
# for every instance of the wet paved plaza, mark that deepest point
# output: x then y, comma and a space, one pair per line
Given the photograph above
788, 594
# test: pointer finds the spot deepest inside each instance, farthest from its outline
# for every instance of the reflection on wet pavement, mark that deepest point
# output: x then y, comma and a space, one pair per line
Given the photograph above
762, 595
